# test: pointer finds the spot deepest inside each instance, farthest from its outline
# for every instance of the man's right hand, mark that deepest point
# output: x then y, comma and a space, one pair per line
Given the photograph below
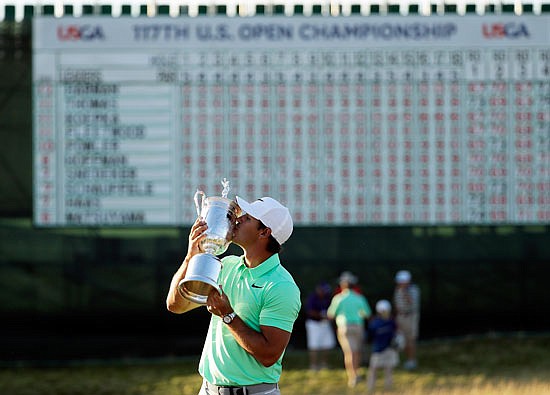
196, 235
174, 301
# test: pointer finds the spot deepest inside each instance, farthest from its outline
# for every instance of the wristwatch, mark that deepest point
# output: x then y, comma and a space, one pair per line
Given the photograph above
228, 318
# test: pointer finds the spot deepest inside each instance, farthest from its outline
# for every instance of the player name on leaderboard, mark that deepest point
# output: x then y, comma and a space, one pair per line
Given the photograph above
348, 120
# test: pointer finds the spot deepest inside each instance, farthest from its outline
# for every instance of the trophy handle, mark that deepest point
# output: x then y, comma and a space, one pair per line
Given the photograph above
198, 205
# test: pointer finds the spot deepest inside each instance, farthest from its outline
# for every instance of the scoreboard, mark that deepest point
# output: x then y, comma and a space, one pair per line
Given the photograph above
379, 120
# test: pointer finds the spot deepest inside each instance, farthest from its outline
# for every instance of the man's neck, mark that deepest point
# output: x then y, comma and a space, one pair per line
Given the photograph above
254, 257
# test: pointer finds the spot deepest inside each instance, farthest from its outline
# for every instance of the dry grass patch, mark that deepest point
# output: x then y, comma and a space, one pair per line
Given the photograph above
513, 365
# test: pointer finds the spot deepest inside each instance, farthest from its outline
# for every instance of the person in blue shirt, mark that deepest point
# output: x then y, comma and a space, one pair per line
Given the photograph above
382, 331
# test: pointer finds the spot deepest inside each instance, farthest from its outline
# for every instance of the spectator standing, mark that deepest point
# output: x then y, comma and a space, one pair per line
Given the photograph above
381, 332
350, 309
319, 330
353, 286
406, 300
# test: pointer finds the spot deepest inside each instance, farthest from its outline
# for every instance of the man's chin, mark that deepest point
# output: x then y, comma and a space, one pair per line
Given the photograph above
235, 240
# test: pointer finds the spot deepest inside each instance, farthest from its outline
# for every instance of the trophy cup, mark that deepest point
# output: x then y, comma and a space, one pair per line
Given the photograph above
220, 214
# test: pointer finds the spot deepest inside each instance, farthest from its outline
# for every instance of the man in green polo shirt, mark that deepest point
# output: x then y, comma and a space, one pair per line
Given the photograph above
350, 309
252, 318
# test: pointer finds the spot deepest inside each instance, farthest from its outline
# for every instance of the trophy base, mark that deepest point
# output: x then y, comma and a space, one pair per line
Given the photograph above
196, 290
201, 278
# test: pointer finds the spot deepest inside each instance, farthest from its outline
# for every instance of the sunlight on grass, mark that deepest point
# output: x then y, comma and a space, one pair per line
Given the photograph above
505, 366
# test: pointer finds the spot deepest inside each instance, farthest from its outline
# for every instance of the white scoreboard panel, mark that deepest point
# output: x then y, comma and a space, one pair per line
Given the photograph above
347, 120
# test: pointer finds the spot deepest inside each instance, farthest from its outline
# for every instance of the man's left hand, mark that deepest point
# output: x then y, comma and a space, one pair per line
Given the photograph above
218, 304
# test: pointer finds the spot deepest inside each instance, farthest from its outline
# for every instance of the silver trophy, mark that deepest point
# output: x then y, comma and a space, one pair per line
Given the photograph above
220, 214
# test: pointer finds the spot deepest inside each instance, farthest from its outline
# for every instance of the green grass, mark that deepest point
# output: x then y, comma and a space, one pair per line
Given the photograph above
513, 365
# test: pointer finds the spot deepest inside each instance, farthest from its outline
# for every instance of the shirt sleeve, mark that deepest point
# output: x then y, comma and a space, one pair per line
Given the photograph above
281, 306
367, 312
333, 307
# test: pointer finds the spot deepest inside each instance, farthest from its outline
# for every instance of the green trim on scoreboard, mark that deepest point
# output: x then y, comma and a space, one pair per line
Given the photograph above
450, 8
375, 9
260, 9
163, 10
48, 10
278, 9
316, 10
88, 10
10, 12
106, 10
298, 9
393, 9
28, 11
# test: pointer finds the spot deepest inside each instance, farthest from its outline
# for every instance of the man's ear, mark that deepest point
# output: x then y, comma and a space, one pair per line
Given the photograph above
266, 232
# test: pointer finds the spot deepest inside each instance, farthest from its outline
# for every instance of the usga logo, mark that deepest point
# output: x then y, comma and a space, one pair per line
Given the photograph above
505, 30
80, 33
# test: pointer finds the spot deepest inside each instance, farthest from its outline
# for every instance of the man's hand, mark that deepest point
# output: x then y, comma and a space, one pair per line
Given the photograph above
265, 345
196, 235
218, 304
174, 301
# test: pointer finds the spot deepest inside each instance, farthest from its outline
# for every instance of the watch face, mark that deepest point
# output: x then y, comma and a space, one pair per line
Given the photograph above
228, 318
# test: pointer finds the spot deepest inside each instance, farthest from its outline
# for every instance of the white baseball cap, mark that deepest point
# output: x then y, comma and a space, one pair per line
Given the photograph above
272, 214
383, 306
403, 276
348, 277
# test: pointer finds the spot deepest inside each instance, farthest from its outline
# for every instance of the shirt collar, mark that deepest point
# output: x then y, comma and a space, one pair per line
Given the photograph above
264, 267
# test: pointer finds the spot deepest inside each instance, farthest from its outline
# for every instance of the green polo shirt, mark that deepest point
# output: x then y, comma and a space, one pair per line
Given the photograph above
349, 308
264, 295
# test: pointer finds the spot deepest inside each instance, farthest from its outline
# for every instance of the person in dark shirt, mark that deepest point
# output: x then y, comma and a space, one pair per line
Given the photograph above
382, 332
319, 330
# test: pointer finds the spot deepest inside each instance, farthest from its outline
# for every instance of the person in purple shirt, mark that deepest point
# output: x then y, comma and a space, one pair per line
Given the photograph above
319, 331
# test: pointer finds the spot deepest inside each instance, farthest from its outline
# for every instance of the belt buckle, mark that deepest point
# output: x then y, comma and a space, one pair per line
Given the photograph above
232, 391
